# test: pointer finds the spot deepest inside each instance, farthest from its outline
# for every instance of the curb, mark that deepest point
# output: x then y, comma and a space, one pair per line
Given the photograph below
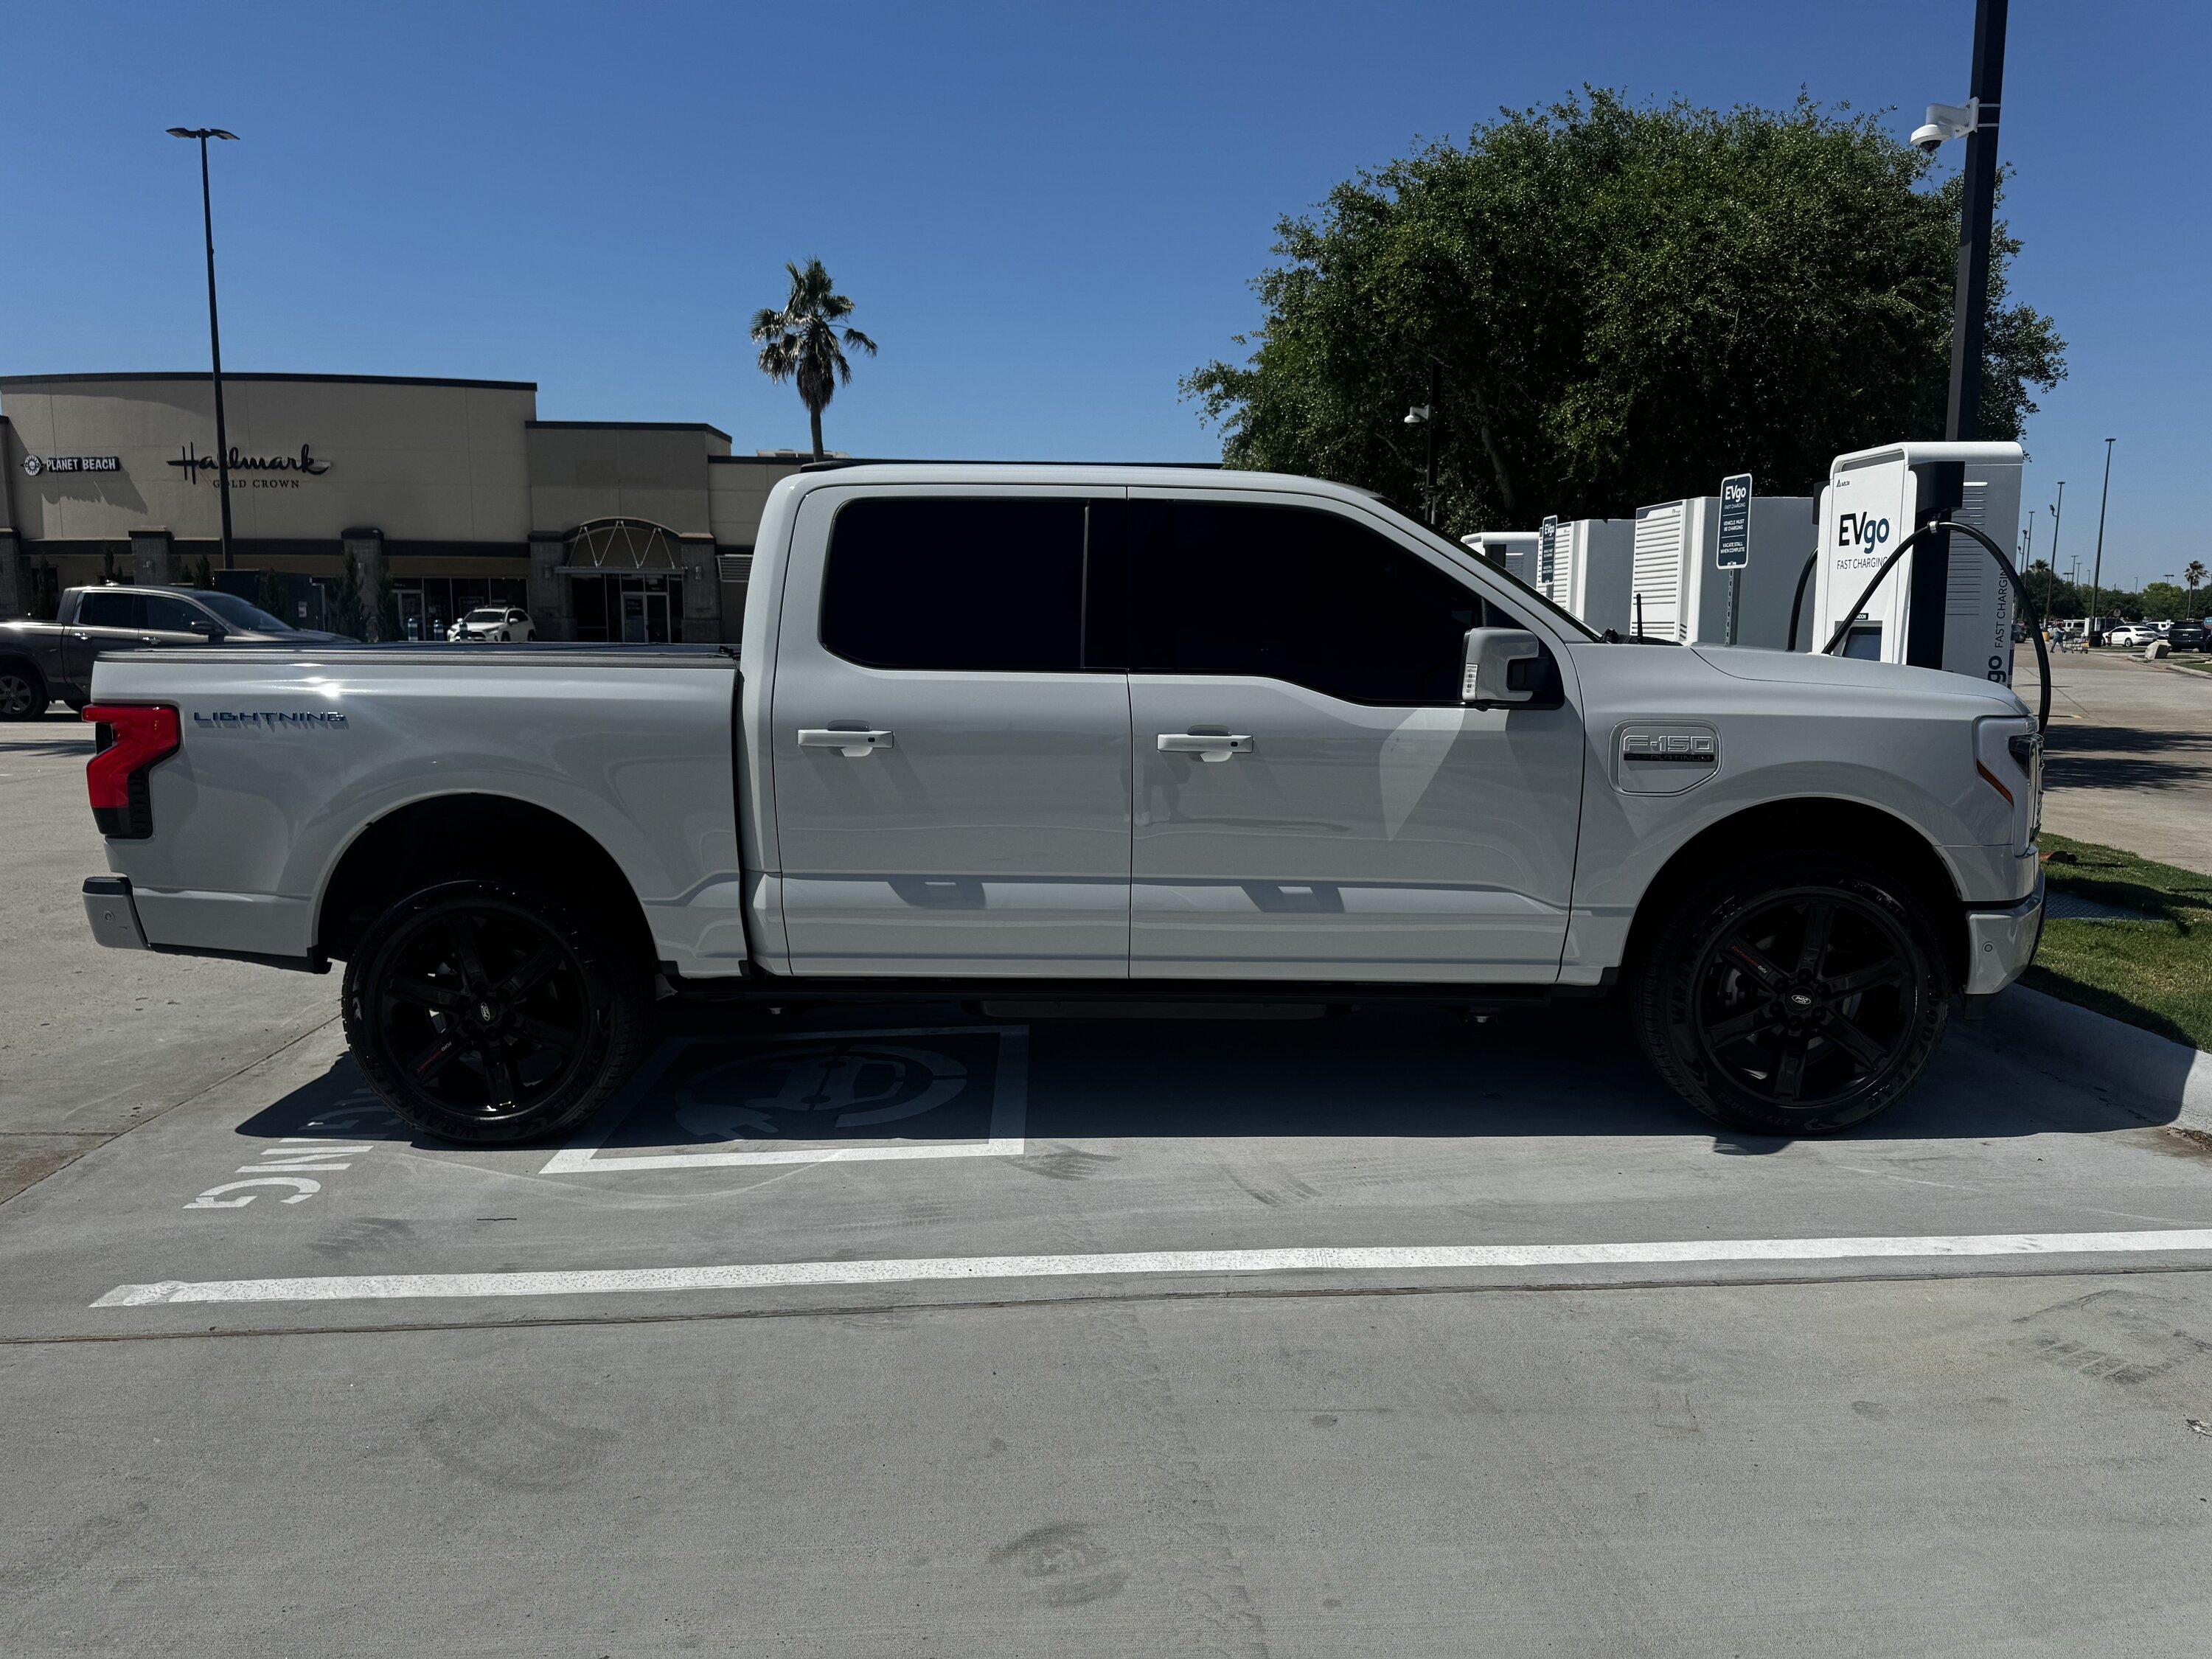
2065, 1038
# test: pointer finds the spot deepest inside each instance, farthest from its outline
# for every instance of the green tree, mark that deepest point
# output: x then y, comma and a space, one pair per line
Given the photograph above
804, 343
2193, 573
46, 591
1627, 304
346, 614
386, 604
106, 565
2163, 602
203, 575
270, 594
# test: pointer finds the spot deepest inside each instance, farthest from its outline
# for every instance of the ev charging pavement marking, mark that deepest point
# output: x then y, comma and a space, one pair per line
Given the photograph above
777, 1275
816, 1073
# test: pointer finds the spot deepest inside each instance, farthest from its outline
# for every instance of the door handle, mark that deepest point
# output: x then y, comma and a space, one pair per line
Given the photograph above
853, 745
1206, 745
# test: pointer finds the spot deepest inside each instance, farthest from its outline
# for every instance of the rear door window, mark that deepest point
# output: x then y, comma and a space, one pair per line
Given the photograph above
961, 584
111, 610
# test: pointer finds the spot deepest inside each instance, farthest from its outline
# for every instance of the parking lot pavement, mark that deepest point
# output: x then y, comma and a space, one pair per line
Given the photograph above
2129, 763
94, 1041
920, 1330
914, 1331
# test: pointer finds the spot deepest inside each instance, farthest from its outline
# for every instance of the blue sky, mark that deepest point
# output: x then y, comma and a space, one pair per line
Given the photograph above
1047, 213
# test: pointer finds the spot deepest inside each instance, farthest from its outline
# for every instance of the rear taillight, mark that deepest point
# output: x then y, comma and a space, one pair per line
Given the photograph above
133, 738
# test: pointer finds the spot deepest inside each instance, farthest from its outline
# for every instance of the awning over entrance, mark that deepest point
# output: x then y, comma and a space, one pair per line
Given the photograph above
611, 547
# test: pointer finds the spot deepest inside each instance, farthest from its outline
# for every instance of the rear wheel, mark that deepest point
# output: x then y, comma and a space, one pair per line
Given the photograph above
483, 1013
22, 692
1795, 997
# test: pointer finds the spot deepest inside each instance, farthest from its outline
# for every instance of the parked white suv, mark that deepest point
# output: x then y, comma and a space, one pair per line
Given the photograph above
496, 621
1084, 731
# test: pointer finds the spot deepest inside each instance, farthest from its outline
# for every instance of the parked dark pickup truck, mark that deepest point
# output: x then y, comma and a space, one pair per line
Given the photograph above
41, 661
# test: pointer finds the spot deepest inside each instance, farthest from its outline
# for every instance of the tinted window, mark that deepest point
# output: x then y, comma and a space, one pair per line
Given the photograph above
948, 583
109, 609
173, 616
1298, 594
237, 613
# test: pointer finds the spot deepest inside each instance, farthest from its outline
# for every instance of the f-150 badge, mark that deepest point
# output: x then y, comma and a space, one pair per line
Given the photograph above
1697, 748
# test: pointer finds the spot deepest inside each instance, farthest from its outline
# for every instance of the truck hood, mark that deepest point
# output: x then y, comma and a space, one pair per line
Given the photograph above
1853, 674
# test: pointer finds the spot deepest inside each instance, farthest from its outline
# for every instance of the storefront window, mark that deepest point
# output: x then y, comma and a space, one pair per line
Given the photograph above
429, 605
627, 610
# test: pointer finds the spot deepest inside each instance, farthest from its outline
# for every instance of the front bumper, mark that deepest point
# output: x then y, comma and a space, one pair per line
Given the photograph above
2000, 944
112, 914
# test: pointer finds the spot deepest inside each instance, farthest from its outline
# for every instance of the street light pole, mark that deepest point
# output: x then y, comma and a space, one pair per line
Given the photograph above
215, 331
2097, 571
1435, 399
1962, 417
2057, 507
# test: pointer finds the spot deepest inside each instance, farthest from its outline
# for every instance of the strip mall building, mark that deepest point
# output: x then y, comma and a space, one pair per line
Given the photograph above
453, 492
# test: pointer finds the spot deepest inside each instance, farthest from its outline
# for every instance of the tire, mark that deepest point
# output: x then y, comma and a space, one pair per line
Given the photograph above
1773, 1022
22, 692
485, 1013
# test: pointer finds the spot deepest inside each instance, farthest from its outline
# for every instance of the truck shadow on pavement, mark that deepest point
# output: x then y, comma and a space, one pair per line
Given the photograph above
907, 1083
2125, 757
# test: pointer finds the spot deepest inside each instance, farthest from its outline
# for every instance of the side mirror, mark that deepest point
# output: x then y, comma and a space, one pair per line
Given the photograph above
206, 630
1504, 666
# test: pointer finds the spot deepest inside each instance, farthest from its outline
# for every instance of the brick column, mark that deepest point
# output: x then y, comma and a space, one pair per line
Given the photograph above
548, 591
15, 576
153, 558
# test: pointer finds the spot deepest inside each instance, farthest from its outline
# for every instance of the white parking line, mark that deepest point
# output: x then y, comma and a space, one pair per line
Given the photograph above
779, 1275
589, 1153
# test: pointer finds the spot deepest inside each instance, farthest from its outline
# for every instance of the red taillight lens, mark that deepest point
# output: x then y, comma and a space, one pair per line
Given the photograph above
132, 738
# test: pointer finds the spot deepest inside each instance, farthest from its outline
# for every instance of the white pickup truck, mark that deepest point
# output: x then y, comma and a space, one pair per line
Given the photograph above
1081, 732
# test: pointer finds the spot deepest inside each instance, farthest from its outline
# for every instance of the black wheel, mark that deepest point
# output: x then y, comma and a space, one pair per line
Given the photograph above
22, 692
1797, 998
484, 1013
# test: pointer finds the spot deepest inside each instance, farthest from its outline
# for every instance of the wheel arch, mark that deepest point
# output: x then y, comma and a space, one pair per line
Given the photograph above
469, 833
1810, 824
15, 656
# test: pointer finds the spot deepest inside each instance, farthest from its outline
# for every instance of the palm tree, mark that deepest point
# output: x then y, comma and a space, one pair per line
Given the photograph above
801, 342
2194, 570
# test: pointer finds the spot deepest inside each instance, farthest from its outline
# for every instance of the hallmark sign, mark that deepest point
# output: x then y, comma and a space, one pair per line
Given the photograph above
258, 471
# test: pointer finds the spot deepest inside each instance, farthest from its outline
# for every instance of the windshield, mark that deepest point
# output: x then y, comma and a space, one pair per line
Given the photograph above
237, 613
487, 616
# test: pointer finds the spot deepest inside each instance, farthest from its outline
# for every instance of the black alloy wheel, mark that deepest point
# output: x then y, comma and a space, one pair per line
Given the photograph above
1794, 1000
483, 1013
22, 696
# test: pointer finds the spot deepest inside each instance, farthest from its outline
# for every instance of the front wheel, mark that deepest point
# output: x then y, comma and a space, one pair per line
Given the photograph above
485, 1013
1795, 997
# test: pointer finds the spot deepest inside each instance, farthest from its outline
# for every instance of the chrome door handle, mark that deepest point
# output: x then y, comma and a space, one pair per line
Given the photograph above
1206, 745
853, 745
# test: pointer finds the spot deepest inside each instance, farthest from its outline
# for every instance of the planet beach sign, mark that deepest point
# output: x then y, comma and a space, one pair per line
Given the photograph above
254, 472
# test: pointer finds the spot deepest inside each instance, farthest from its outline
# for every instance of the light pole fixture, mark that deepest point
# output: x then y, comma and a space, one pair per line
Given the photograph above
215, 332
1425, 415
